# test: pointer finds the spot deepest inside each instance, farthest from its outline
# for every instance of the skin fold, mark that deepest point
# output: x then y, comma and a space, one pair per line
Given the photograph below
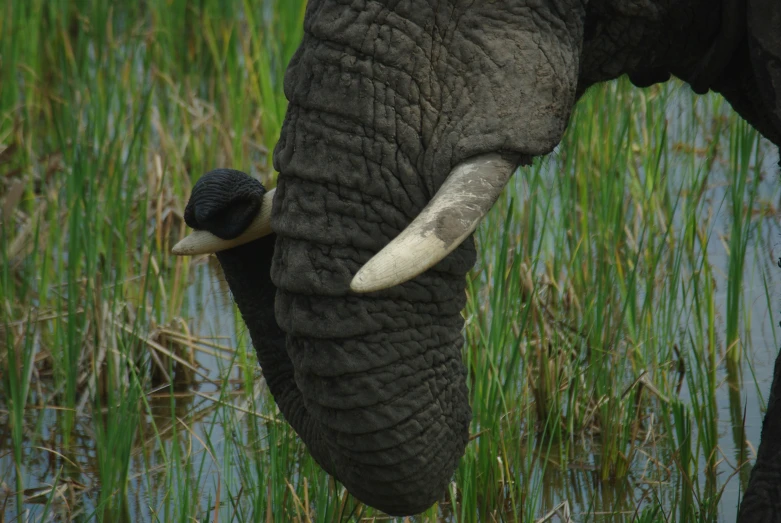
385, 98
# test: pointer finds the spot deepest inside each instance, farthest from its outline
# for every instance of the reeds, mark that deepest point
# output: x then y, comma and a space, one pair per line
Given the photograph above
610, 319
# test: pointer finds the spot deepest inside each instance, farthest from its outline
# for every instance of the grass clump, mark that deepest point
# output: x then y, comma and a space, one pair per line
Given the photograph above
595, 314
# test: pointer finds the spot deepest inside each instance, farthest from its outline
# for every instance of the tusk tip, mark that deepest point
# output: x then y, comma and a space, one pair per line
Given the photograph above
200, 242
367, 280
185, 247
374, 277
359, 284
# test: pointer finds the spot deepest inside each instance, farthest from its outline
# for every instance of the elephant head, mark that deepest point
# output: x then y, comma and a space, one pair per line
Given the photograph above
396, 106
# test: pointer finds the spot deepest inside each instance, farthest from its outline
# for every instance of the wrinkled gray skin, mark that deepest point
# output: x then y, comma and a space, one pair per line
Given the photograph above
385, 98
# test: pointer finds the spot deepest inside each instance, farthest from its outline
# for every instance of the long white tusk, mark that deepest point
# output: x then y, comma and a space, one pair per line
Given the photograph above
452, 214
203, 242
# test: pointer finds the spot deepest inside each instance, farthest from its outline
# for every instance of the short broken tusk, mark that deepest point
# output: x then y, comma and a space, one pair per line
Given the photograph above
203, 242
453, 213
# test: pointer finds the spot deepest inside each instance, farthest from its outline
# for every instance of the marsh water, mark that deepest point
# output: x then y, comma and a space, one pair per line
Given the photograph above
210, 316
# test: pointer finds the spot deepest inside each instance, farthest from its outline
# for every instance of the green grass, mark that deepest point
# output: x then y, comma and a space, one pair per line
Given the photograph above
611, 342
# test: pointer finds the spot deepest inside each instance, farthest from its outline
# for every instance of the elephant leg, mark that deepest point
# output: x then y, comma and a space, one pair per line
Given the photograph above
762, 500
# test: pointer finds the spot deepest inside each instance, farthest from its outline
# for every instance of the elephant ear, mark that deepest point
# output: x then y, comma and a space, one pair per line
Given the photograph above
764, 40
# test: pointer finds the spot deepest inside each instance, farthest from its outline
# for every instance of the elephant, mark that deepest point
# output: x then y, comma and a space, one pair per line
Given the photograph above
405, 120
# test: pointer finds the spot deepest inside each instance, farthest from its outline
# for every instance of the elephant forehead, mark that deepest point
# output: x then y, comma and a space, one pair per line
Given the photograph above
443, 80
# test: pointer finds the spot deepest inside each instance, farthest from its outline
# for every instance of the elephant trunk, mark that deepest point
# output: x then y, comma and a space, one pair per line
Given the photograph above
379, 376
246, 270
384, 411
386, 98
